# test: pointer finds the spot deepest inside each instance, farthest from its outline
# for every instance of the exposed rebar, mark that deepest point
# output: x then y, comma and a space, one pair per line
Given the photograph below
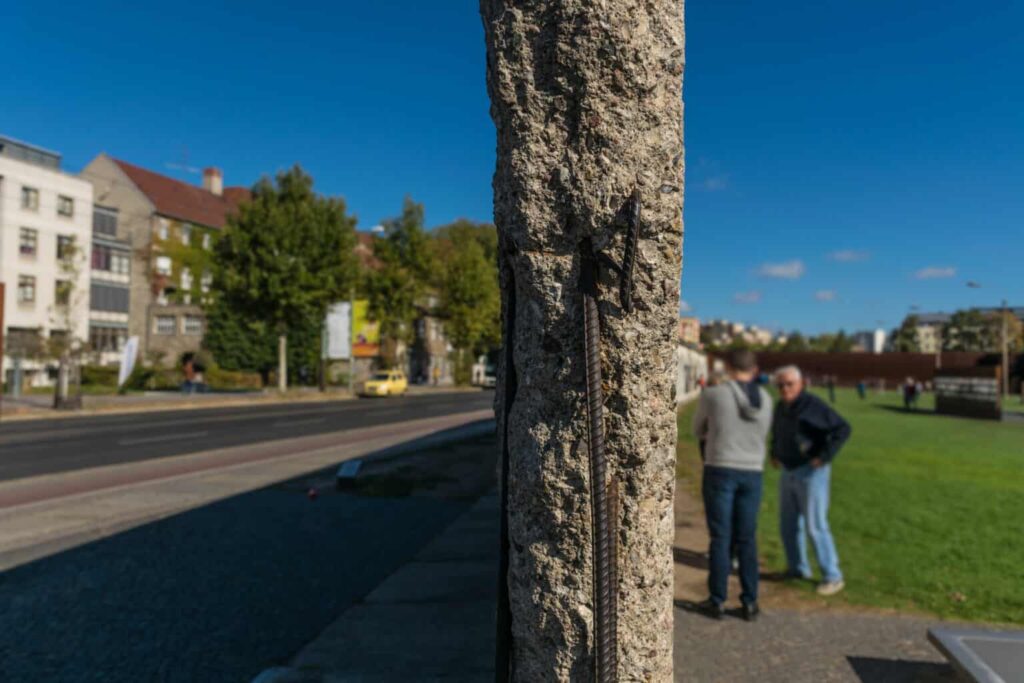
606, 660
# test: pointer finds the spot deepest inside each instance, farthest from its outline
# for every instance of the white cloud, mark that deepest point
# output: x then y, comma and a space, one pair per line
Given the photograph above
789, 270
715, 183
684, 307
751, 297
849, 255
825, 295
935, 273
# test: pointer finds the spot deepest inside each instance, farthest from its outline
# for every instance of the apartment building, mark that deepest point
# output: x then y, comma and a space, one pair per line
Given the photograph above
45, 229
170, 227
110, 286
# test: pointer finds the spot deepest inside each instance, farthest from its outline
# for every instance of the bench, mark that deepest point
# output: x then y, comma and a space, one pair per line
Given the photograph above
981, 655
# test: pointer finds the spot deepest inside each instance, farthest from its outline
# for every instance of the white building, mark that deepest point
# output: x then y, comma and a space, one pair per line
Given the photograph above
45, 215
691, 370
870, 342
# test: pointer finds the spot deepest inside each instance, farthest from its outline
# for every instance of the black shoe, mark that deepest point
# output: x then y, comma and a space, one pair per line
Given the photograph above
750, 611
710, 608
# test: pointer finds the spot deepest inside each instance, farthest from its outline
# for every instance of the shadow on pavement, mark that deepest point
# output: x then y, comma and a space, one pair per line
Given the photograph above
875, 670
221, 592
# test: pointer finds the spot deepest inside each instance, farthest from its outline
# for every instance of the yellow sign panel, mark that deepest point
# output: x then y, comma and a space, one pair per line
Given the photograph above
366, 333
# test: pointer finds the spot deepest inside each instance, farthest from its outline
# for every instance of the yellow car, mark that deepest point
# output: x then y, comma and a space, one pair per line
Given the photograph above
386, 383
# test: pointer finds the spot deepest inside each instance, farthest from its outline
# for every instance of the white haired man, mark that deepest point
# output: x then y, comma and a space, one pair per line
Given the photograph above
806, 436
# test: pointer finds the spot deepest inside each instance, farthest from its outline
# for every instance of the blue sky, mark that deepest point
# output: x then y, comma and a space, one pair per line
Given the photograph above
845, 160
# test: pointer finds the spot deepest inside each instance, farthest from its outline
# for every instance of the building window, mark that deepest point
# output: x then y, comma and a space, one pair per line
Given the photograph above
28, 241
103, 338
110, 260
186, 233
120, 263
192, 324
104, 221
185, 278
163, 265
23, 342
62, 292
26, 289
65, 206
206, 281
108, 297
65, 246
206, 241
161, 228
165, 324
30, 198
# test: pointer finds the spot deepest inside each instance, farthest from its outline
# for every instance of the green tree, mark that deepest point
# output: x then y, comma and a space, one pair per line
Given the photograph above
470, 300
904, 338
795, 342
407, 274
284, 258
972, 330
841, 343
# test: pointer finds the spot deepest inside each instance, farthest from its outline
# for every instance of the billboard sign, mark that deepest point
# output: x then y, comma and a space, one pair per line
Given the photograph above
969, 392
338, 342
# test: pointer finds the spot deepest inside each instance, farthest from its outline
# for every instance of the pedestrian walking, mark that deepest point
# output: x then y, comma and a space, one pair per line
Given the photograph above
733, 419
862, 389
910, 394
807, 434
830, 384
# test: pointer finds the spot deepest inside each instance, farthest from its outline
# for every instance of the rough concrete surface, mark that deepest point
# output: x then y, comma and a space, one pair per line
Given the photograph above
586, 96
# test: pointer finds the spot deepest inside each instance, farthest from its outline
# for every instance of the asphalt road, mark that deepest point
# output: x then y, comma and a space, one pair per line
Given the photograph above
37, 447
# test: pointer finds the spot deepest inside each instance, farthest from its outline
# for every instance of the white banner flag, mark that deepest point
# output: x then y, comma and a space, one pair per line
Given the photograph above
128, 355
338, 328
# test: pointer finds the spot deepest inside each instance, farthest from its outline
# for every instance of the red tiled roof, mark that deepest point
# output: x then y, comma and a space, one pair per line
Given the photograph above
364, 250
175, 199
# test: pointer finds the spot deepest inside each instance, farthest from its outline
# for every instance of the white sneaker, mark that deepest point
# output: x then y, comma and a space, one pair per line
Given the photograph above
830, 587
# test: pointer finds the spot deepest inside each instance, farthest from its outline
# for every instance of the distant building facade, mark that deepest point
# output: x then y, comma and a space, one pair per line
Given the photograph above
45, 228
110, 286
170, 228
929, 331
724, 332
869, 341
689, 331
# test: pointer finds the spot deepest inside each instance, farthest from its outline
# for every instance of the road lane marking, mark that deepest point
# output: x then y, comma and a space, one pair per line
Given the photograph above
164, 437
295, 423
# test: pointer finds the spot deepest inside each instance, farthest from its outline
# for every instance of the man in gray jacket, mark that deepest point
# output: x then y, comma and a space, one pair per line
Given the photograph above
733, 420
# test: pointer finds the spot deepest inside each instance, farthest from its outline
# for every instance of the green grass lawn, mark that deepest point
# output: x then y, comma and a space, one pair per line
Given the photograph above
927, 511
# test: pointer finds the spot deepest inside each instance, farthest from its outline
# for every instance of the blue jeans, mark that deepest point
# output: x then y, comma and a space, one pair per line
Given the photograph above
803, 507
731, 501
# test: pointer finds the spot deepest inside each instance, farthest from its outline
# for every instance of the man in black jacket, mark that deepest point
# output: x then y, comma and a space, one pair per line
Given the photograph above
806, 436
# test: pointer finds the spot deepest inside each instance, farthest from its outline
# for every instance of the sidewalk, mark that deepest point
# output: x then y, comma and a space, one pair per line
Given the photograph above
797, 638
433, 620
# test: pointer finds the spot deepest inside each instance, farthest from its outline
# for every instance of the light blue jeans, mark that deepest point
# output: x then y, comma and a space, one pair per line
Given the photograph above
803, 507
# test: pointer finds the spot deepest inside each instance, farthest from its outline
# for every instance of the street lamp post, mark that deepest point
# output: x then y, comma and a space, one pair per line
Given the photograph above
1006, 350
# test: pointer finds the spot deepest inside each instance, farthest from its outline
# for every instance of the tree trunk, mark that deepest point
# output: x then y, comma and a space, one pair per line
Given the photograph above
282, 362
586, 96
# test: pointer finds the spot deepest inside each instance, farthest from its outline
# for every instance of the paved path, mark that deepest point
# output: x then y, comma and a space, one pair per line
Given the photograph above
797, 638
38, 447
